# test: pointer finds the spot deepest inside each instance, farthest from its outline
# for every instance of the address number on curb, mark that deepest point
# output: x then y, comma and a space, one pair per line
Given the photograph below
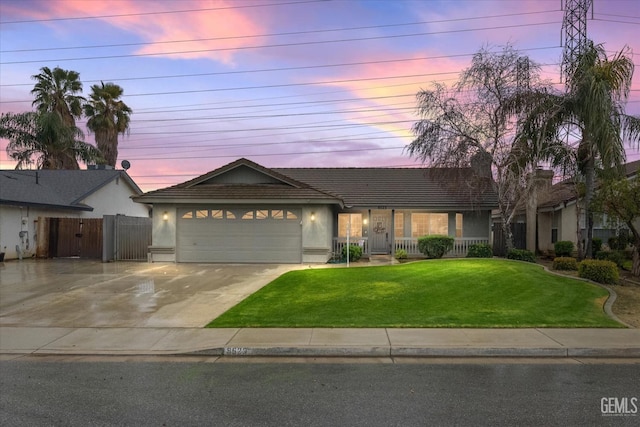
236, 351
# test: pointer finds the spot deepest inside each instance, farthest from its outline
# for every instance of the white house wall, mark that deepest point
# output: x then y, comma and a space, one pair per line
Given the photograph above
114, 199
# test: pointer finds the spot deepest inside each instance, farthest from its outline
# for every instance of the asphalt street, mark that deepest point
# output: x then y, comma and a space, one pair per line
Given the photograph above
42, 392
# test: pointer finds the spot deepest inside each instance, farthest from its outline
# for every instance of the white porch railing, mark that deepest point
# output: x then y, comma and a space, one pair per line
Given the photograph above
341, 242
409, 244
460, 245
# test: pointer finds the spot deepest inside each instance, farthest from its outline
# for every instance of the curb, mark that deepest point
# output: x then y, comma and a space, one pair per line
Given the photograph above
425, 352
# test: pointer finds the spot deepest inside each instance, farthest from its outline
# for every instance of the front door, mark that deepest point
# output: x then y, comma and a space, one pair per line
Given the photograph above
380, 232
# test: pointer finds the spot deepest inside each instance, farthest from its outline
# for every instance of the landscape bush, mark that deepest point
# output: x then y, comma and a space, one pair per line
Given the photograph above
599, 271
401, 254
618, 243
355, 252
563, 248
435, 246
618, 257
596, 244
480, 250
565, 263
521, 255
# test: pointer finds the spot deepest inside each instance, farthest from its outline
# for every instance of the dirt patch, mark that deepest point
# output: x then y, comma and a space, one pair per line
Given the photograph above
627, 305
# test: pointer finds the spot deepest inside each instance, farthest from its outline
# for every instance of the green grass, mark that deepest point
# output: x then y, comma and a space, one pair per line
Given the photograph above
473, 293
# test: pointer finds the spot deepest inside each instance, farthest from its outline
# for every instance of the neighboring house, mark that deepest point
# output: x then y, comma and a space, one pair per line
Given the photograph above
48, 213
558, 219
244, 212
557, 216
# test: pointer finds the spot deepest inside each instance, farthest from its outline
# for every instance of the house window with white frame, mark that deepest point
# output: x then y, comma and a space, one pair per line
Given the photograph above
424, 224
356, 225
399, 224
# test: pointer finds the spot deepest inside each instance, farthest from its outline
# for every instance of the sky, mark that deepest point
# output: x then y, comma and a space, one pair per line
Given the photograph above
284, 83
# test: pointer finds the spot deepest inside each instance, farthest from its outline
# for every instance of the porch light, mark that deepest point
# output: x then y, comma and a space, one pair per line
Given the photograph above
365, 221
165, 216
313, 216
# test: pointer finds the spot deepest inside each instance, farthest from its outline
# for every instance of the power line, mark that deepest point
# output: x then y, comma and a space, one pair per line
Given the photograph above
386, 37
122, 15
291, 33
226, 89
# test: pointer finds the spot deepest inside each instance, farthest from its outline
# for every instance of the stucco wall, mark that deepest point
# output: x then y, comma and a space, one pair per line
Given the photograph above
476, 224
112, 199
545, 224
164, 231
317, 234
567, 226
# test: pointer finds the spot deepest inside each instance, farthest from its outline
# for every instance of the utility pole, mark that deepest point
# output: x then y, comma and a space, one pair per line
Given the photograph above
574, 26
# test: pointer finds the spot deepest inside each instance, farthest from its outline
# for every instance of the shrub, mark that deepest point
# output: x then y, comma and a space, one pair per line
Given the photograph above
563, 248
401, 254
617, 257
435, 246
480, 250
599, 271
565, 263
521, 255
355, 252
596, 245
619, 242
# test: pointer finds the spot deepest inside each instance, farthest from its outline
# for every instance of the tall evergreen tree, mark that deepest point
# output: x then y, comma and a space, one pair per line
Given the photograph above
56, 91
107, 116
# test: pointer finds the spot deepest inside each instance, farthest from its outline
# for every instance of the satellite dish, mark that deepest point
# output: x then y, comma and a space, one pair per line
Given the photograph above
125, 164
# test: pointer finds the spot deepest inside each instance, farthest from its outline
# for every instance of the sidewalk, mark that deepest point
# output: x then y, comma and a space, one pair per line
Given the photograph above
323, 342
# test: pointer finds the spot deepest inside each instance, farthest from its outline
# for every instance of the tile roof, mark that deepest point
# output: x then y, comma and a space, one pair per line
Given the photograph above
64, 189
565, 191
400, 187
363, 187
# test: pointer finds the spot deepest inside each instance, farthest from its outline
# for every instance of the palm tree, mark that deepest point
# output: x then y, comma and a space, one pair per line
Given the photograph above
593, 109
107, 117
41, 138
56, 92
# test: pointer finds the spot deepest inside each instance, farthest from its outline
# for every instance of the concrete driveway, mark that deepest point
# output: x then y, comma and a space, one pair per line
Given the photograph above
82, 293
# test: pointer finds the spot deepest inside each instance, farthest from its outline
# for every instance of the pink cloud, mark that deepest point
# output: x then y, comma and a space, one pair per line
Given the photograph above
222, 22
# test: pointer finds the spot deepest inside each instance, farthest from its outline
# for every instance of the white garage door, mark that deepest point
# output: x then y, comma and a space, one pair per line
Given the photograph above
239, 235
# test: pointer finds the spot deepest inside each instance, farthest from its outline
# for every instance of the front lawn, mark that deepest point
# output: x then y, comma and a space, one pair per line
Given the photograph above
473, 293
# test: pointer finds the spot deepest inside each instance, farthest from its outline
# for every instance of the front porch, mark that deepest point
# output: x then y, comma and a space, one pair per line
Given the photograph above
409, 244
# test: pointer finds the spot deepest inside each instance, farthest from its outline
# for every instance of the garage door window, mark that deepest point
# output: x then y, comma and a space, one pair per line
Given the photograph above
253, 214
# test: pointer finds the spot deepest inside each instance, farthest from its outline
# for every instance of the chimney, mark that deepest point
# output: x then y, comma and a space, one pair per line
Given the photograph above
544, 179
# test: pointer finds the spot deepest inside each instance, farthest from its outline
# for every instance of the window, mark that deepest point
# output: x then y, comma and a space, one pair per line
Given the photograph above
291, 215
248, 215
187, 215
203, 213
277, 214
353, 220
399, 224
217, 214
231, 215
458, 225
262, 214
424, 224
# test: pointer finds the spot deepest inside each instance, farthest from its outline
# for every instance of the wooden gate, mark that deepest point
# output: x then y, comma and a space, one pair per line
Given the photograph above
519, 231
75, 237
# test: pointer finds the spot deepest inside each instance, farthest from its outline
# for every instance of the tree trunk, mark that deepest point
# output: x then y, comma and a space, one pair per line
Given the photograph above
589, 177
507, 233
635, 269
